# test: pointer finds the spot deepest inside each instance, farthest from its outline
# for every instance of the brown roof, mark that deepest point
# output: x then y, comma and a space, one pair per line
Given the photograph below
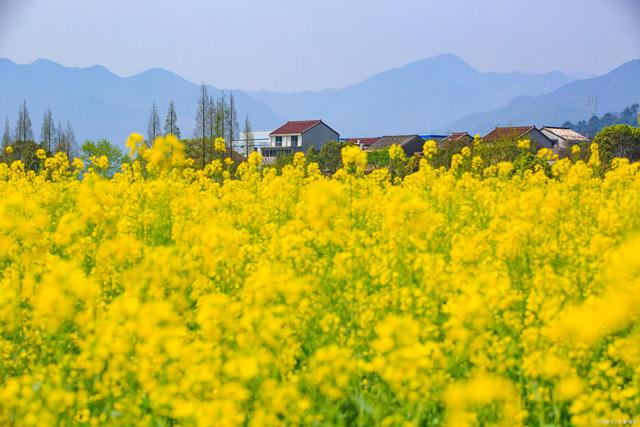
388, 141
367, 142
295, 127
456, 136
513, 132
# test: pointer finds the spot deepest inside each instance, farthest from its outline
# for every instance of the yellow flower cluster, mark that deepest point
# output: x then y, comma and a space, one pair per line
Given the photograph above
169, 296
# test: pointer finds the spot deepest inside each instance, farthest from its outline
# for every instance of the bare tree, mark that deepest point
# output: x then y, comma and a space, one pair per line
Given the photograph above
65, 140
212, 112
24, 131
6, 135
170, 123
71, 140
221, 114
48, 131
202, 120
232, 122
248, 137
154, 129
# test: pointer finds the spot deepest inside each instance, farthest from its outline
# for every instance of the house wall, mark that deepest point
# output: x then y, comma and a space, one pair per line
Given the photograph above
317, 136
286, 139
413, 146
559, 142
540, 139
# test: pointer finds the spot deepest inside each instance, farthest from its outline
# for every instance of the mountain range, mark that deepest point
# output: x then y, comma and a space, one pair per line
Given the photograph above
575, 101
438, 94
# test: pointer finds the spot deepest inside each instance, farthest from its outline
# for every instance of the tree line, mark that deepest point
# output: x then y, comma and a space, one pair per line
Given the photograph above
53, 138
590, 128
215, 118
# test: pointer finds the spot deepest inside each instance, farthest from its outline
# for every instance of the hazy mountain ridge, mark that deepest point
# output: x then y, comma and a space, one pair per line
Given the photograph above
421, 96
438, 94
575, 101
100, 104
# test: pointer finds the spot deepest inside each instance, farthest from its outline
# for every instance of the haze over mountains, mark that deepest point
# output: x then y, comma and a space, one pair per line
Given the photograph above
575, 101
439, 94
421, 96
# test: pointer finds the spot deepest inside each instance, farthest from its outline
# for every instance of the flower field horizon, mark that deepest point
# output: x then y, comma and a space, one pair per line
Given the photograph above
166, 295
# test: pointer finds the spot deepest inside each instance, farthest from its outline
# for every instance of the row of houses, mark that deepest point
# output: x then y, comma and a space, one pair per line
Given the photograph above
300, 136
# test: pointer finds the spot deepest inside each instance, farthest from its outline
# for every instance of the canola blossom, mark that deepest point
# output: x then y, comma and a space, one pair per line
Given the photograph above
166, 295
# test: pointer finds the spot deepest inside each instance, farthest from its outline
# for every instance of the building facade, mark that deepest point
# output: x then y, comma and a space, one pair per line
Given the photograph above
563, 138
297, 136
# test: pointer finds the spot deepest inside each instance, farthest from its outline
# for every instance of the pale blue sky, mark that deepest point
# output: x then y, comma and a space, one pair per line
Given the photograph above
299, 44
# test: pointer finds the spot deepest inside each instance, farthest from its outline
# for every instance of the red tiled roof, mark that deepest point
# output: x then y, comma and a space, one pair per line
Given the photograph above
295, 127
513, 132
364, 141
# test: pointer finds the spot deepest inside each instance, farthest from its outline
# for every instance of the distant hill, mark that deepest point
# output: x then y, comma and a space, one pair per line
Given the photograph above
421, 96
101, 104
572, 102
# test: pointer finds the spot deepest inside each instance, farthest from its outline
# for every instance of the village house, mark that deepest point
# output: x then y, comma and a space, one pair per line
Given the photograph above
563, 138
455, 140
411, 144
297, 136
516, 133
363, 143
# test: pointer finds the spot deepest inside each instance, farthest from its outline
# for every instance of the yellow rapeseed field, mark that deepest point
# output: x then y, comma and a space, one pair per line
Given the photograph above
169, 296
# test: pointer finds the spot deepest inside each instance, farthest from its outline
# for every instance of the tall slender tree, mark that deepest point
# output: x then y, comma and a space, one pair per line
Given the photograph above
71, 140
48, 131
248, 137
64, 139
232, 123
6, 135
202, 121
170, 123
24, 131
154, 129
212, 112
221, 114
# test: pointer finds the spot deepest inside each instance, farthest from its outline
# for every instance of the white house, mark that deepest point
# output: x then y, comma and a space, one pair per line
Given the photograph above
296, 136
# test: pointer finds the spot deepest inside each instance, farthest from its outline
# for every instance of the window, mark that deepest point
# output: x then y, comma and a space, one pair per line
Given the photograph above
294, 141
278, 141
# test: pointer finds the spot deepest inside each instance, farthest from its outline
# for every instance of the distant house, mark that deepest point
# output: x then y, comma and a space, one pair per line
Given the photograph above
456, 139
411, 144
257, 139
563, 138
516, 133
363, 143
295, 136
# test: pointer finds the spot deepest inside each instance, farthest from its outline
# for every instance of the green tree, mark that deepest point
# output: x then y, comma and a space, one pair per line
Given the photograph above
329, 158
618, 141
103, 148
170, 122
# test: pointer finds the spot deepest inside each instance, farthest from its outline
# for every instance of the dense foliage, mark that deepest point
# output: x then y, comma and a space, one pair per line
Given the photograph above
590, 128
173, 296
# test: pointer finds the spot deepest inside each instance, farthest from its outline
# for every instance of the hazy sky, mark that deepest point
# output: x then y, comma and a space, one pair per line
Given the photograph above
306, 45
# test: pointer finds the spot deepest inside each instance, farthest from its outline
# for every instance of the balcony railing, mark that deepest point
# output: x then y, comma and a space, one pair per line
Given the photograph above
272, 152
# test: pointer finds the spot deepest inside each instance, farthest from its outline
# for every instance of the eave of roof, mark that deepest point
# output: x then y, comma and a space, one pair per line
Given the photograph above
293, 127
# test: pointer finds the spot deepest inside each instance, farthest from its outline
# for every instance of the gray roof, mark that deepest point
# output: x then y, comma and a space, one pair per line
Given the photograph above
566, 134
388, 141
